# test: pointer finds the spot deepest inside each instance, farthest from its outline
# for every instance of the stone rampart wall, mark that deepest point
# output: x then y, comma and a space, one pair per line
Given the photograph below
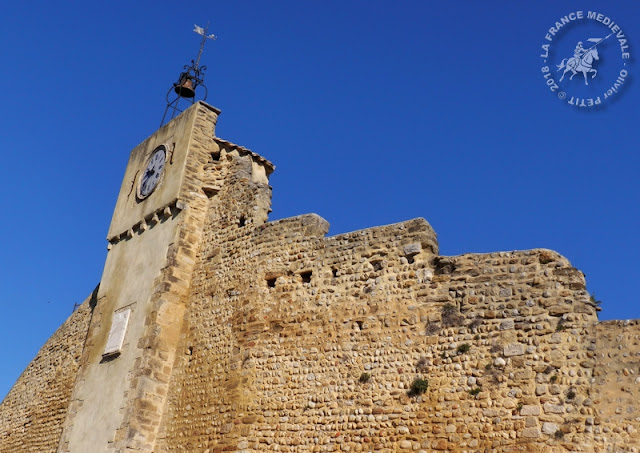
32, 413
297, 342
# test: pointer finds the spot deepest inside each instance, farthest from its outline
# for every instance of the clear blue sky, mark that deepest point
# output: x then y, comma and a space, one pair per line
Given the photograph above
373, 111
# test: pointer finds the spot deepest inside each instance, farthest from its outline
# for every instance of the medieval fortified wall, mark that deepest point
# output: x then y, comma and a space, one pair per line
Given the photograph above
270, 336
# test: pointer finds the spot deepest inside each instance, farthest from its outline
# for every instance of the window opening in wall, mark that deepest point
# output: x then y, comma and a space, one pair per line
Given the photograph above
242, 221
306, 277
190, 353
360, 324
377, 264
215, 157
410, 259
334, 271
271, 282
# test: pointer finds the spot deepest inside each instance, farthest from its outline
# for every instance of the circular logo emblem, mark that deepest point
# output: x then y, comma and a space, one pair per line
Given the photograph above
585, 59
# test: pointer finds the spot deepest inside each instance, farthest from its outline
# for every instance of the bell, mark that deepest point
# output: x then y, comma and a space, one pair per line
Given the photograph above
184, 87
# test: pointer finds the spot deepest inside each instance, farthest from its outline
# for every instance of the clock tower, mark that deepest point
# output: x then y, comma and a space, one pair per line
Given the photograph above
176, 179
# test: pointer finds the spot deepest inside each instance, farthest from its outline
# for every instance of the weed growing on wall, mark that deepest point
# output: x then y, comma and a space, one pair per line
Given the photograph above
418, 387
451, 316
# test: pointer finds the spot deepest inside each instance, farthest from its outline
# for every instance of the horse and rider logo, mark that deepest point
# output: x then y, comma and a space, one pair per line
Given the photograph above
582, 60
600, 48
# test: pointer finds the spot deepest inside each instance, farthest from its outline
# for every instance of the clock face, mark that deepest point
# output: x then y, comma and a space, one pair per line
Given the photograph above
152, 172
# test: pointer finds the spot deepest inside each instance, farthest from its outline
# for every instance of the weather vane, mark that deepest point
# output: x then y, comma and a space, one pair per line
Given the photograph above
190, 79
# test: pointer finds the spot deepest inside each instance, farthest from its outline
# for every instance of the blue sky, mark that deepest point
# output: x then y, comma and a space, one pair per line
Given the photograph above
374, 112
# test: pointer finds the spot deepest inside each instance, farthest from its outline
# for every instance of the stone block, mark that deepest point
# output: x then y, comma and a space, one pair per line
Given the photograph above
553, 409
513, 349
559, 310
557, 355
412, 249
531, 433
530, 409
507, 325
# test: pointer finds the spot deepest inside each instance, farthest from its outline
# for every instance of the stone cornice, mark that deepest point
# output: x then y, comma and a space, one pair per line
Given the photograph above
171, 209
